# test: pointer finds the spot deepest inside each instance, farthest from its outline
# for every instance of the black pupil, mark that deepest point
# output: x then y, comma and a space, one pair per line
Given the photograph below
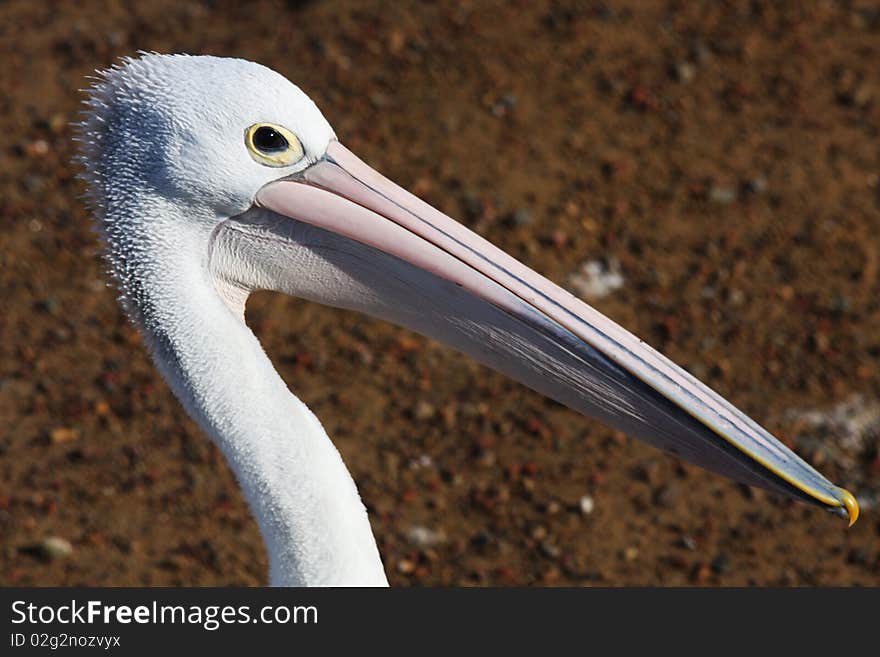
269, 140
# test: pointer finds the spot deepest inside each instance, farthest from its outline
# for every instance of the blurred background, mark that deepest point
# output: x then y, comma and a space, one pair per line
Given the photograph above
705, 173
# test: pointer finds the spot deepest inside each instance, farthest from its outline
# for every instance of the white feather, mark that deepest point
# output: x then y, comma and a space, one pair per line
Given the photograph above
165, 166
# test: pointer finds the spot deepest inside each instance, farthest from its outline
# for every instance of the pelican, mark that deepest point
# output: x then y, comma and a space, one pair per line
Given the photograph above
213, 177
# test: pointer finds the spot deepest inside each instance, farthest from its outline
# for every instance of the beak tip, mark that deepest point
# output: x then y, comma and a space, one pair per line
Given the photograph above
849, 502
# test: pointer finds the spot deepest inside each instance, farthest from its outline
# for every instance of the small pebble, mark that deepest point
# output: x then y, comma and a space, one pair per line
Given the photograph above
863, 95
664, 497
685, 71
424, 411
424, 537
521, 217
722, 195
379, 100
421, 462
586, 505
596, 279
701, 574
58, 123
504, 105
37, 148
396, 42
486, 458
756, 185
549, 550
55, 547
61, 435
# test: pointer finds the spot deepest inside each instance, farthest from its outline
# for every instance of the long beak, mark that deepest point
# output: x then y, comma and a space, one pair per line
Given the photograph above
673, 411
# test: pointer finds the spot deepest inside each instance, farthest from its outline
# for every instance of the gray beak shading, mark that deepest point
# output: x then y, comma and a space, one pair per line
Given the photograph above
489, 305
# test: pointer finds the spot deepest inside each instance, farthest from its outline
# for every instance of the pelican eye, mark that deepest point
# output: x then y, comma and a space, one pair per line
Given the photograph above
273, 145
269, 140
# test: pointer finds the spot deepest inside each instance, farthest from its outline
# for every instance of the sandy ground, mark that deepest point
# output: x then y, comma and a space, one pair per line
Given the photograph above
722, 160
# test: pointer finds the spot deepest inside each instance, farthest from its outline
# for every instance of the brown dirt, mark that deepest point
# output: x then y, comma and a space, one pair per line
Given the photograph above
726, 157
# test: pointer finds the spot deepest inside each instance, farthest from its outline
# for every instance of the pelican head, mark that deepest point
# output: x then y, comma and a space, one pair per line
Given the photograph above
215, 177
164, 126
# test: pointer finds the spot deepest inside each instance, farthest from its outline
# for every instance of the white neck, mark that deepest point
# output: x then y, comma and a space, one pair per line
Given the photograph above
306, 504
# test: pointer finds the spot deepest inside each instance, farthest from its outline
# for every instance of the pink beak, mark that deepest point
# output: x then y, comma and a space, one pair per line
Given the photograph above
343, 195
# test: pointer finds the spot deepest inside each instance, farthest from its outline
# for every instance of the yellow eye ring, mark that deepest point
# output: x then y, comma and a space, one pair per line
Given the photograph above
273, 145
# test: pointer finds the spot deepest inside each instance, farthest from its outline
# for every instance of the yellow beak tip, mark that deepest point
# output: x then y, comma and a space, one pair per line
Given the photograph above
848, 500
